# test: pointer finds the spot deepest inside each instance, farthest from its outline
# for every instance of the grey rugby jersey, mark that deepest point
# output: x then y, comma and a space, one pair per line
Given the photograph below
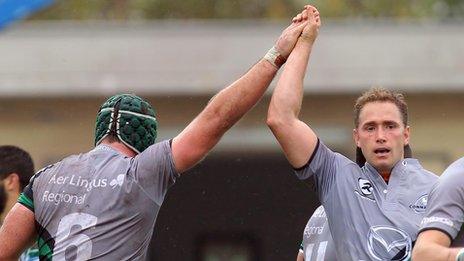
446, 204
369, 219
100, 205
317, 242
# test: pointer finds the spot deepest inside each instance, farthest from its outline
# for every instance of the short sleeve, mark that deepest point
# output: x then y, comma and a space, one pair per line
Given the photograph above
154, 170
322, 166
445, 208
26, 198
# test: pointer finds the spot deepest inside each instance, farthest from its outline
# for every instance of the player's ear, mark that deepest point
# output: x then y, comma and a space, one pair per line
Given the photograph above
11, 182
407, 132
356, 137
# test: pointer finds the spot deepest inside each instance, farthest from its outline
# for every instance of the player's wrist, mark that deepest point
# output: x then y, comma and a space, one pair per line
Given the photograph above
308, 38
274, 57
460, 255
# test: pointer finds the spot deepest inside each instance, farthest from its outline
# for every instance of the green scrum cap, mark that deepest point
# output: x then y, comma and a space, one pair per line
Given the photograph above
128, 117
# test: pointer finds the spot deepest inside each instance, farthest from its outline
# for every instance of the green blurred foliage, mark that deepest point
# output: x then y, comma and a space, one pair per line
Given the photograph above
249, 9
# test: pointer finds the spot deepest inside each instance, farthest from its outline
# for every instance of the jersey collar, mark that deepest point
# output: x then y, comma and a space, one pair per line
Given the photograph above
104, 147
400, 168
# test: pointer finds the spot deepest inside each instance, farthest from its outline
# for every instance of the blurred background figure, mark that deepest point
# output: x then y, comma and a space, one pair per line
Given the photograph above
60, 64
317, 243
16, 168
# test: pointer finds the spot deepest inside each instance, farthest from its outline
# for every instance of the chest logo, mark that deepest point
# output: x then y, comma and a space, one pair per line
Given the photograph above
388, 243
365, 189
420, 205
118, 181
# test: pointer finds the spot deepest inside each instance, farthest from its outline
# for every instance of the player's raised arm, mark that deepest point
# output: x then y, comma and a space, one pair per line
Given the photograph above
230, 104
296, 138
16, 233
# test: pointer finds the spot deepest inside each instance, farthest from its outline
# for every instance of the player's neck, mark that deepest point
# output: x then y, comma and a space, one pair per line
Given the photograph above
385, 176
10, 202
121, 147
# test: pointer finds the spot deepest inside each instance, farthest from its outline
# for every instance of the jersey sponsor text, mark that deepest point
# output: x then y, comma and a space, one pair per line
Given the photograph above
420, 205
78, 181
442, 220
313, 230
63, 197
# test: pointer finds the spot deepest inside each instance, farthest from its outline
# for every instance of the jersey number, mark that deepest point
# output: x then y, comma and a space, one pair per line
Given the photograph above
320, 252
65, 241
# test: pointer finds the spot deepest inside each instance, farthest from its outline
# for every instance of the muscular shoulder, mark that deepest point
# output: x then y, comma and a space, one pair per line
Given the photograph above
52, 168
453, 177
455, 169
77, 164
336, 158
157, 157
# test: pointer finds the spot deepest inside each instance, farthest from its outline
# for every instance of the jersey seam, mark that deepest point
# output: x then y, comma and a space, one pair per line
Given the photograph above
26, 206
310, 158
129, 174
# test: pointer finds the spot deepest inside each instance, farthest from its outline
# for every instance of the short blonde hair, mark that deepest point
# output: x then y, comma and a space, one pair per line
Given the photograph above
379, 94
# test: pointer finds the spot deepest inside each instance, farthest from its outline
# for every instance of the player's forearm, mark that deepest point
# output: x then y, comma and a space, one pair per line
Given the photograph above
230, 104
223, 111
6, 248
17, 232
434, 252
8, 258
287, 98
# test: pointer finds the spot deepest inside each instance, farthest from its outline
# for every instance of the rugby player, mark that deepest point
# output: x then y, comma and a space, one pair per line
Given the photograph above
373, 211
16, 169
317, 244
317, 241
102, 205
441, 236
